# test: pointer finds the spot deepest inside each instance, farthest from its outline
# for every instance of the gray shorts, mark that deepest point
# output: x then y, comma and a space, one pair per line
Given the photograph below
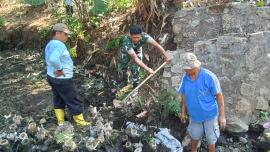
210, 128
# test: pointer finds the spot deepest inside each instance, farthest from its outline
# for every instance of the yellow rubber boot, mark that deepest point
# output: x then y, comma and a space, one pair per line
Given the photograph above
79, 119
60, 116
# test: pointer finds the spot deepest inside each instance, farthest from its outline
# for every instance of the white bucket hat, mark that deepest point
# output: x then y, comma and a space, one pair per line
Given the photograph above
190, 61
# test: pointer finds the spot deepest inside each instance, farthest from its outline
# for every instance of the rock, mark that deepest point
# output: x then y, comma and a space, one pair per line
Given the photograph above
5, 145
176, 29
29, 68
247, 89
243, 140
69, 146
263, 146
221, 149
186, 141
244, 109
180, 14
42, 121
23, 136
176, 68
236, 150
230, 140
222, 140
165, 82
241, 61
234, 45
44, 148
167, 74
174, 56
17, 119
263, 91
267, 96
235, 125
264, 141
256, 128
194, 23
175, 81
262, 104
32, 127
266, 135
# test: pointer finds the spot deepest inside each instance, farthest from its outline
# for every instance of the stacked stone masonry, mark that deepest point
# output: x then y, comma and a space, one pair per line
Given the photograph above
235, 45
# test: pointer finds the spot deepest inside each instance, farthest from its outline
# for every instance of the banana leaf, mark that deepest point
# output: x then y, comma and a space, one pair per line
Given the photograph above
35, 2
99, 6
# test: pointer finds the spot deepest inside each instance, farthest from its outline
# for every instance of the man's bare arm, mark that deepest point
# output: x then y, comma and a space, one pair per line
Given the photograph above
161, 50
183, 114
221, 107
140, 63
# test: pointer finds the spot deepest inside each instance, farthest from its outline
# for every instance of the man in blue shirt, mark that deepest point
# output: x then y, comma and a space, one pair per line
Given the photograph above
59, 76
202, 98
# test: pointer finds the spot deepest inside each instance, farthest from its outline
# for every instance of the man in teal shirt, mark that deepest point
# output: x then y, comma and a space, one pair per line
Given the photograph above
202, 98
59, 76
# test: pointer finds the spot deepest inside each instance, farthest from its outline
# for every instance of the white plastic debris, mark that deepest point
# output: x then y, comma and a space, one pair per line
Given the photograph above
165, 138
162, 137
135, 126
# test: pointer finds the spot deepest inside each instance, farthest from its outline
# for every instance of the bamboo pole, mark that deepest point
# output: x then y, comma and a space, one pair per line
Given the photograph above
144, 81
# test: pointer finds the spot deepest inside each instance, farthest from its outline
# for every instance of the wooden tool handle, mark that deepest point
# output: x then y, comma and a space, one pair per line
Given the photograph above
144, 81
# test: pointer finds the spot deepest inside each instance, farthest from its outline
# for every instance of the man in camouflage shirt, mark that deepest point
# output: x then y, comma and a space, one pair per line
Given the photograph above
132, 49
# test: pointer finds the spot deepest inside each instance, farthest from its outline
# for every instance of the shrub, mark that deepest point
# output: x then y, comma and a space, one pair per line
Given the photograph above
2, 22
45, 33
35, 2
115, 43
119, 5
170, 103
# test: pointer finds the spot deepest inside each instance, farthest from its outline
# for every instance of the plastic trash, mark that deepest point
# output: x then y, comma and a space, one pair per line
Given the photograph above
162, 137
266, 125
165, 138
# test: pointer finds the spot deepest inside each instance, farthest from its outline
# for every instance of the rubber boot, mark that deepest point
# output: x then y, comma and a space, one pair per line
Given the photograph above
79, 119
60, 116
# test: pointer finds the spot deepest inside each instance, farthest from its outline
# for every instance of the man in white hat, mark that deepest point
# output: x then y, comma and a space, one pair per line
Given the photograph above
59, 76
202, 98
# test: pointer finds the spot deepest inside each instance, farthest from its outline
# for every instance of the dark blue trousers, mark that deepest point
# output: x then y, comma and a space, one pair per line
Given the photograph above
64, 94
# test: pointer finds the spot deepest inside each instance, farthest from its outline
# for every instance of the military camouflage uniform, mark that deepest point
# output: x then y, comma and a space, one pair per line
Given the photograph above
125, 58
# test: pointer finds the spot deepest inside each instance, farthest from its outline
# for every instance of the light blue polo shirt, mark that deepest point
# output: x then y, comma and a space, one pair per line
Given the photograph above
57, 57
200, 95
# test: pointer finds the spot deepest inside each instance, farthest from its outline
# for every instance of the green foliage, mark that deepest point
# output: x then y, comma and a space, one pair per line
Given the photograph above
2, 22
35, 2
170, 103
115, 43
119, 5
45, 33
73, 52
64, 133
150, 138
95, 20
76, 27
99, 6
260, 3
264, 115
104, 6
59, 14
63, 136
